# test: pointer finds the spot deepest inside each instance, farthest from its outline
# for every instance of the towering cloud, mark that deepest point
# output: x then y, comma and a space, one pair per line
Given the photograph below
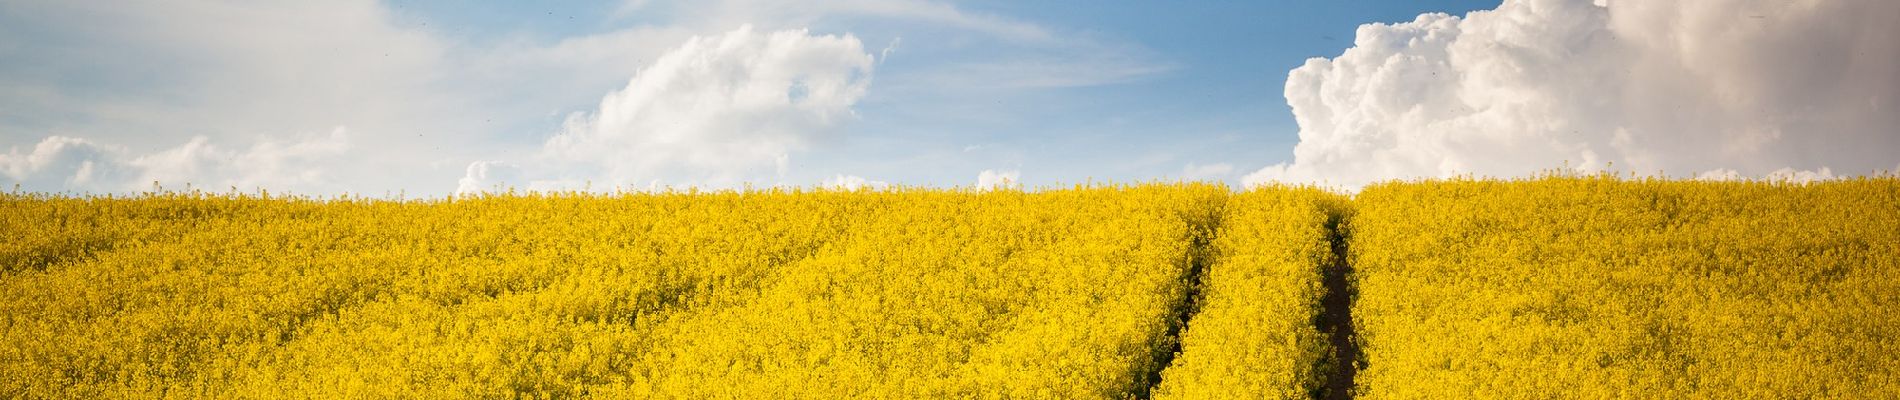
1715, 88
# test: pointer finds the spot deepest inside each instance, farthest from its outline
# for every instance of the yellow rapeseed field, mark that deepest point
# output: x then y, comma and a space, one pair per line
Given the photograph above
1254, 335
1562, 286
905, 293
223, 296
1597, 287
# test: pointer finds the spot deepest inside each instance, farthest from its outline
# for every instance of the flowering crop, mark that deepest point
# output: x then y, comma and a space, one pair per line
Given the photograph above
1597, 287
1254, 335
1563, 286
907, 293
216, 295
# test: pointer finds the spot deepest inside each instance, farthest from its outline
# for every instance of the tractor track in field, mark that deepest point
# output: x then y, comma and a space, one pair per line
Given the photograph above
1335, 318
1200, 256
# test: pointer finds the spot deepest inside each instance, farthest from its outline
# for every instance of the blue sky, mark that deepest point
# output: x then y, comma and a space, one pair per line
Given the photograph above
431, 97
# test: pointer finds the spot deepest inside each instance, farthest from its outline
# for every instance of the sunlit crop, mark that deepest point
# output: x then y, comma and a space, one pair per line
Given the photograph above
1563, 286
1253, 336
909, 293
1594, 287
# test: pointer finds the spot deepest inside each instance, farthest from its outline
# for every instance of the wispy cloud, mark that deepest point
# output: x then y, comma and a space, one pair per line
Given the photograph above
776, 14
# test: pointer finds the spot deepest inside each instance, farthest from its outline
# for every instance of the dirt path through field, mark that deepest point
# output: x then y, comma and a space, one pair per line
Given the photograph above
1335, 319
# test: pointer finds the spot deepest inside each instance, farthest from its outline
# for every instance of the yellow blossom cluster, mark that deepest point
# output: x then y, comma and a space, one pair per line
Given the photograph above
1603, 287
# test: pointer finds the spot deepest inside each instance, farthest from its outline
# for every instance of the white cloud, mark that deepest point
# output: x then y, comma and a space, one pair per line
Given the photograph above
718, 110
64, 162
79, 164
266, 164
1752, 86
853, 183
1010, 54
489, 177
1780, 175
1720, 175
991, 179
1800, 176
885, 54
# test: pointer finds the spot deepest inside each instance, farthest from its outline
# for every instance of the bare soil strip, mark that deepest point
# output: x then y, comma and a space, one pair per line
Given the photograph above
1335, 319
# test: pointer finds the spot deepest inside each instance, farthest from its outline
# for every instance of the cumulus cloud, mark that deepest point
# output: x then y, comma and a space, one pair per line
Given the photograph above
266, 164
991, 179
717, 110
1736, 87
853, 183
61, 162
489, 177
64, 162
